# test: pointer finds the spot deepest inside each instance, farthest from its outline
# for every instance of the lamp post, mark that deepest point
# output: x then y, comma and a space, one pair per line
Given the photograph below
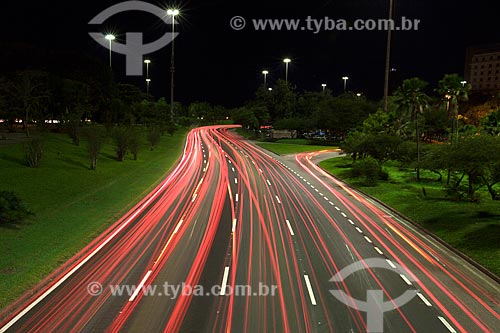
110, 38
463, 83
264, 72
324, 87
148, 81
147, 62
345, 78
173, 13
286, 61
388, 58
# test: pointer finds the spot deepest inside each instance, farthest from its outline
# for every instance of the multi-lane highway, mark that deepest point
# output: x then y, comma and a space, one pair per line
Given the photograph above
237, 239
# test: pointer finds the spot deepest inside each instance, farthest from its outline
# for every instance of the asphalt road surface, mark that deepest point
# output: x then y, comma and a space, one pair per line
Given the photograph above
237, 239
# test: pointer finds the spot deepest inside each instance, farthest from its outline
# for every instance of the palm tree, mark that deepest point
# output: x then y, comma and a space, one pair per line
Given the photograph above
454, 89
411, 98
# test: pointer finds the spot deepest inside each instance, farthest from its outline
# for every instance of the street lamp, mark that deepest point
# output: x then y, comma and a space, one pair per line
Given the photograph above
345, 78
173, 13
110, 38
324, 87
270, 89
148, 81
463, 83
286, 61
265, 77
147, 62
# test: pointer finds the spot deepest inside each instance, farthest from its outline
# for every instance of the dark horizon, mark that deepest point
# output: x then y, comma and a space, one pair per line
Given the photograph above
217, 64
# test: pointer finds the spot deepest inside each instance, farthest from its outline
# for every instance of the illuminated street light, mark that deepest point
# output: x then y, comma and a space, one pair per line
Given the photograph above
270, 89
286, 61
110, 38
345, 78
323, 86
147, 62
265, 77
173, 13
463, 83
148, 81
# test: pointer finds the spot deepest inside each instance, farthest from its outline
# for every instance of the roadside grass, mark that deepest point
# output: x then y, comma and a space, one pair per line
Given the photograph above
72, 204
286, 148
472, 228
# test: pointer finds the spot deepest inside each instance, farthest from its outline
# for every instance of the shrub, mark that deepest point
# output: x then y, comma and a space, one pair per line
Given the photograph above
12, 209
95, 138
121, 137
369, 171
134, 143
154, 136
33, 150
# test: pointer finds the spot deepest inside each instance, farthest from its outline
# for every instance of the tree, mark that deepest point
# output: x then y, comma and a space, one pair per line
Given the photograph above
12, 209
411, 97
121, 138
491, 124
453, 90
95, 138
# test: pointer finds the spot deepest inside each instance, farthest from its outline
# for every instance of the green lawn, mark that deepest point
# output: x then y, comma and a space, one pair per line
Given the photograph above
286, 148
473, 228
72, 204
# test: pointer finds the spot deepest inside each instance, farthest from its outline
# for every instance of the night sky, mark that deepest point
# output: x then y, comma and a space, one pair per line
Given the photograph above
217, 64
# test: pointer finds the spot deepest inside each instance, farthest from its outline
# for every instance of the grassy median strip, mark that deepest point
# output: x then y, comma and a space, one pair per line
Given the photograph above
287, 148
72, 204
472, 228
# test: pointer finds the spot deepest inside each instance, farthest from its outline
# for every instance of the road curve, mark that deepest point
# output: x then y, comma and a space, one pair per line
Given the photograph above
237, 239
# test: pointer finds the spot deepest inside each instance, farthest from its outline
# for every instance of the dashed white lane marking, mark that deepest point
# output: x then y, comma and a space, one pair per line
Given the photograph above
278, 199
236, 198
343, 214
350, 221
224, 281
268, 182
309, 289
448, 326
422, 297
178, 226
378, 250
234, 225
236, 180
139, 287
312, 186
290, 228
368, 239
331, 203
321, 194
359, 230
337, 208
260, 170
233, 169
390, 263
316, 190
405, 279
326, 198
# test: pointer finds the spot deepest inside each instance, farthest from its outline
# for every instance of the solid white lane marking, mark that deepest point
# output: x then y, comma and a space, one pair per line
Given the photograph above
309, 289
194, 197
343, 214
422, 297
368, 239
290, 228
448, 326
178, 226
359, 230
405, 279
378, 250
268, 182
224, 281
139, 287
278, 199
234, 225
236, 198
390, 263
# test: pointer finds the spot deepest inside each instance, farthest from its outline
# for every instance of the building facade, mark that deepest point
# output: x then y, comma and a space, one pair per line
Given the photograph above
482, 68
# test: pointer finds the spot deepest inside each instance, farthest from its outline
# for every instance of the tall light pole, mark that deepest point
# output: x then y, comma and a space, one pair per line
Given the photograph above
388, 59
110, 38
264, 72
148, 81
173, 13
345, 78
286, 61
463, 83
324, 87
147, 62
